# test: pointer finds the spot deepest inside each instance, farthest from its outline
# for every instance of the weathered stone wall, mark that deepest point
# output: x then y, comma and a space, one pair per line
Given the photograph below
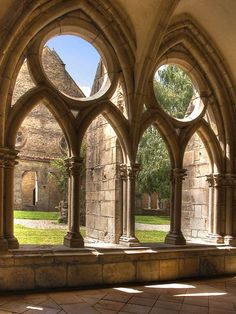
195, 190
39, 138
102, 182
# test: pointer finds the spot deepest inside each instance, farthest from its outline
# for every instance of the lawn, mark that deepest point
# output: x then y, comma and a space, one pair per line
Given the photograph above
152, 220
35, 215
55, 236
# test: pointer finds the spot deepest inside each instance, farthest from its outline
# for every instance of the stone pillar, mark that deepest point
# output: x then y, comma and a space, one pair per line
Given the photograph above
215, 182
73, 237
9, 165
3, 241
229, 185
175, 235
129, 205
123, 177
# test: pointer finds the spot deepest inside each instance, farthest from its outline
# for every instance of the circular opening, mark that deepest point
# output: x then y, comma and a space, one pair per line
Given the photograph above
20, 139
74, 66
176, 93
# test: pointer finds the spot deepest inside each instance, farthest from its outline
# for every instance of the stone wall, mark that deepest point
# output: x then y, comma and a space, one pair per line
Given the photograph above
195, 190
102, 183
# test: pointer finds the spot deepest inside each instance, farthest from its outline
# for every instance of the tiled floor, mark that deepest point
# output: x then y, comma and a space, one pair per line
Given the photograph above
215, 296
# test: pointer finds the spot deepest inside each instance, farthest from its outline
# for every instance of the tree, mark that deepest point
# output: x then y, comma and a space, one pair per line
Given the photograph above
174, 91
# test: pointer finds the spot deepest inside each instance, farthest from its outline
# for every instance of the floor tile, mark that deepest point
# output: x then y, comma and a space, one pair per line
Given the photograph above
133, 308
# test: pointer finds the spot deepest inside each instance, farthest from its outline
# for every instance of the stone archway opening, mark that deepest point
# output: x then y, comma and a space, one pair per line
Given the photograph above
152, 212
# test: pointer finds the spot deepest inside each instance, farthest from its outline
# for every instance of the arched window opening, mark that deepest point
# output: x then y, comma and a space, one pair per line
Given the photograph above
196, 204
153, 188
103, 186
176, 93
40, 182
78, 62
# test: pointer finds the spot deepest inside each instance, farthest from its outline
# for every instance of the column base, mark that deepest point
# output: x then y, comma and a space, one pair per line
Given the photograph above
129, 241
12, 242
175, 238
215, 238
3, 244
74, 240
230, 240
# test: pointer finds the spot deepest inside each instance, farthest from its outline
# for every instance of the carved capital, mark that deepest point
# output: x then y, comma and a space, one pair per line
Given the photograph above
9, 157
132, 170
215, 180
74, 165
178, 174
123, 171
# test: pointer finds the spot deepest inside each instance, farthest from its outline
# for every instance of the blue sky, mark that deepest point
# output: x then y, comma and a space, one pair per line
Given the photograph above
80, 57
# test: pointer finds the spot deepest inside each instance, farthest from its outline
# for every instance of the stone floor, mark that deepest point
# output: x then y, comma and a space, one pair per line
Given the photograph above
213, 296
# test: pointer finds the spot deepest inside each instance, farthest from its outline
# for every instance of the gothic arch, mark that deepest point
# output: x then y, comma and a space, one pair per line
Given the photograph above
28, 101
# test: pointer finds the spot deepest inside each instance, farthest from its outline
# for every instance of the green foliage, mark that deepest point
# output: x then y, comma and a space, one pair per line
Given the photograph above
155, 164
174, 91
59, 175
35, 215
152, 220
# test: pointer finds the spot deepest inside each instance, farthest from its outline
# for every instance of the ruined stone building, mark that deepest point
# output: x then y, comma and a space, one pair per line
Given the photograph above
134, 38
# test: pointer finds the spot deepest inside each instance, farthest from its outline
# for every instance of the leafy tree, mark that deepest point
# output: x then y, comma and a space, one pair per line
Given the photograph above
174, 91
59, 175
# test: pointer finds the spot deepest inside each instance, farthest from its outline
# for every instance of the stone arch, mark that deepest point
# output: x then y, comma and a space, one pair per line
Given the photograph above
27, 102
185, 33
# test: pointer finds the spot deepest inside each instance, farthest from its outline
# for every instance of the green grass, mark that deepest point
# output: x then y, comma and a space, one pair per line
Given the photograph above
152, 220
35, 215
40, 236
55, 236
150, 236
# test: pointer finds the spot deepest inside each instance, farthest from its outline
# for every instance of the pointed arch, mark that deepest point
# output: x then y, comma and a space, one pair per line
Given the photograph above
28, 101
113, 115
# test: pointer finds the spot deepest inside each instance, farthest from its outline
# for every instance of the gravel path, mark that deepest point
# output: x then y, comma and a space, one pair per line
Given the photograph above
53, 224
40, 224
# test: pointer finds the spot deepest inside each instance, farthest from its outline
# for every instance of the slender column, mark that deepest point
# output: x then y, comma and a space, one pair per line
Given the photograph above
123, 224
216, 182
73, 237
3, 241
175, 235
10, 162
129, 238
229, 183
210, 204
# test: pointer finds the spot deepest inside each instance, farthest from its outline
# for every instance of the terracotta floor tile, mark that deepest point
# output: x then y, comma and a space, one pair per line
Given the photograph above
171, 298
159, 310
43, 310
134, 308
142, 301
221, 305
187, 308
15, 306
65, 298
50, 303
109, 305
200, 301
120, 297
82, 308
220, 311
168, 305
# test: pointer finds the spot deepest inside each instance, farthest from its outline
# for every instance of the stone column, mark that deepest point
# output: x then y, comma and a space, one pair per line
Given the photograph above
3, 241
73, 237
123, 177
229, 184
215, 183
175, 235
9, 163
130, 238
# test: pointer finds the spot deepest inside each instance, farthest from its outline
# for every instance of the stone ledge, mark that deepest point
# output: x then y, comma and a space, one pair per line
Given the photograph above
58, 267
